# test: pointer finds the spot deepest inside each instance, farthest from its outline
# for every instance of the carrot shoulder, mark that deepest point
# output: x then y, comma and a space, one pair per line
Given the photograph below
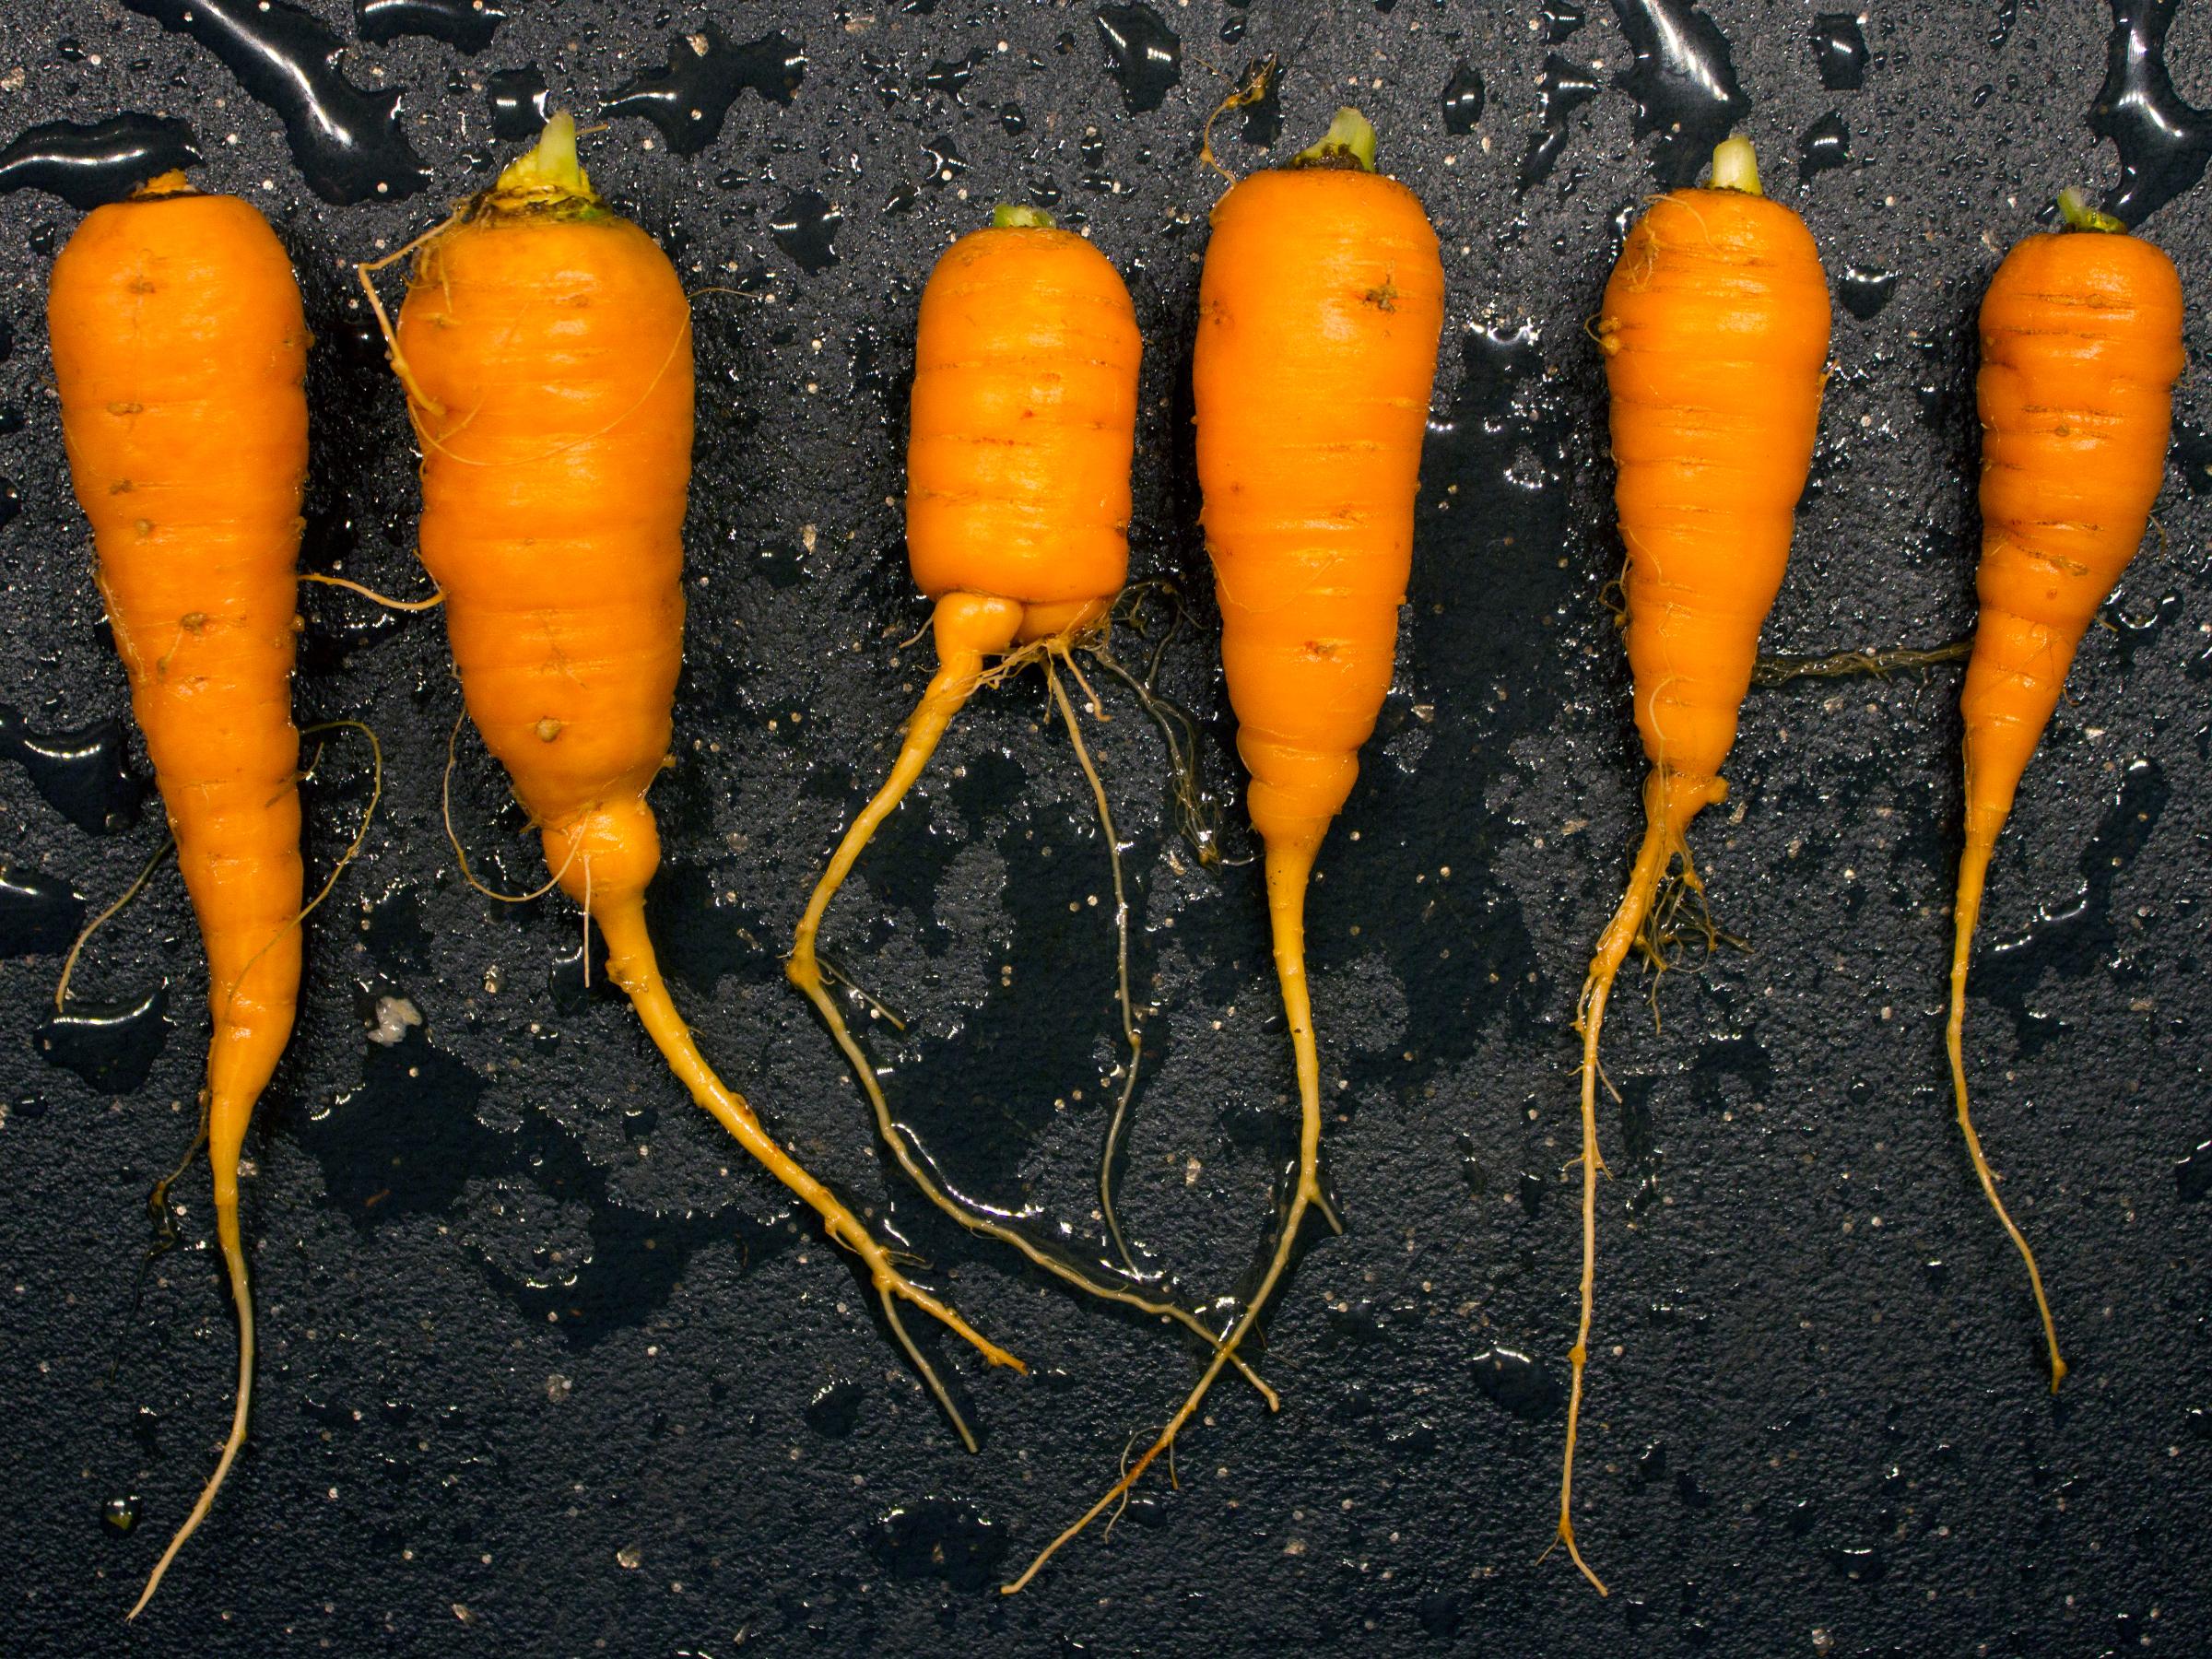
1715, 331
2081, 343
180, 348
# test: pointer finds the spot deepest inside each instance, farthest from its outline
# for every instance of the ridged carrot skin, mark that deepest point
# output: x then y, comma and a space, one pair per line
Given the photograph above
1023, 424
1018, 504
550, 362
1319, 312
1320, 308
179, 349
1714, 329
2081, 344
546, 347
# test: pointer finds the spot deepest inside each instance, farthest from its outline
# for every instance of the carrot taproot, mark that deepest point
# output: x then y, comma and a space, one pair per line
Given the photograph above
179, 349
1018, 506
1715, 331
545, 345
2081, 344
1320, 307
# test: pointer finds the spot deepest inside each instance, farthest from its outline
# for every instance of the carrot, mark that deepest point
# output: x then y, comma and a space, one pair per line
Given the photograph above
545, 345
180, 348
2081, 343
1714, 331
1319, 312
1024, 419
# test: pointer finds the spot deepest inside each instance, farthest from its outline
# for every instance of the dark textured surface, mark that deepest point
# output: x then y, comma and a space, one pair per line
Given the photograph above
548, 1368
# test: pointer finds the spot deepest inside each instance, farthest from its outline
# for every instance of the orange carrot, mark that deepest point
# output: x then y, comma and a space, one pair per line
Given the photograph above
1319, 312
2081, 343
1715, 331
180, 352
546, 350
1024, 421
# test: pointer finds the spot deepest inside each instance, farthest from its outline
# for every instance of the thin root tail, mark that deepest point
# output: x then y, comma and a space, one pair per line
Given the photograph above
1967, 910
241, 1299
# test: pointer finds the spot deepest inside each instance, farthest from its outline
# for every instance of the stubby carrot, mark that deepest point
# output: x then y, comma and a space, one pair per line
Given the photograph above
1715, 331
2081, 343
1024, 418
180, 348
1319, 312
546, 349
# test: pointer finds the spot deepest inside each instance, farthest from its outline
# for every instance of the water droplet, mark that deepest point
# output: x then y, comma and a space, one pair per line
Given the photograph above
834, 1411
1418, 1441
1463, 99
1825, 146
1561, 18
111, 1045
347, 142
1262, 82
1683, 82
1867, 1566
118, 1515
103, 163
1144, 54
467, 24
2163, 141
2192, 456
79, 770
1839, 52
689, 98
1522, 1385
1531, 1194
2192, 1175
946, 1539
951, 76
39, 915
1471, 1167
1863, 290
2077, 937
806, 227
518, 102
1563, 88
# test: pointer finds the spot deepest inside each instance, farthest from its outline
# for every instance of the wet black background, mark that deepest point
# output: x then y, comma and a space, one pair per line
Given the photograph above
549, 1366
